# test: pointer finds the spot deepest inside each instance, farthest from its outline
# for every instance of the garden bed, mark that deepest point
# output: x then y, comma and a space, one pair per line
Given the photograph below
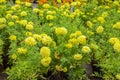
68, 41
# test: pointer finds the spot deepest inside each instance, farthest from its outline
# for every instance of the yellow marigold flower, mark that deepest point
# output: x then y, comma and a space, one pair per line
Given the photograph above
104, 14
2, 1
82, 39
117, 46
36, 10
28, 4
17, 2
57, 56
2, 20
118, 76
31, 23
50, 24
11, 23
59, 1
89, 24
73, 3
2, 26
12, 37
72, 16
58, 68
37, 37
8, 16
46, 6
86, 49
23, 22
65, 14
61, 31
42, 35
113, 40
23, 13
77, 56
53, 12
46, 61
49, 17
65, 69
13, 8
49, 12
9, 12
28, 33
45, 52
29, 27
69, 45
116, 3
17, 6
78, 33
22, 50
94, 21
14, 56
90, 32
15, 17
99, 29
46, 40
101, 19
73, 41
94, 46
117, 25
30, 41
107, 7
41, 11
118, 11
84, 16
73, 35
40, 14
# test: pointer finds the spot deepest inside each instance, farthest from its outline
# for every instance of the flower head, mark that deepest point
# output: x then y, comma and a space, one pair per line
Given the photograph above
68, 45
29, 27
49, 17
78, 33
118, 76
77, 56
30, 41
22, 50
11, 23
117, 25
23, 13
45, 52
61, 31
46, 40
73, 41
58, 68
101, 19
28, 4
46, 61
113, 40
46, 6
14, 56
81, 39
2, 20
99, 29
117, 46
12, 37
86, 49
89, 24
2, 26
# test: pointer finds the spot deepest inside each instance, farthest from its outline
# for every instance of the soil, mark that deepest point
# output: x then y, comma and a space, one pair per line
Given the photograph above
3, 76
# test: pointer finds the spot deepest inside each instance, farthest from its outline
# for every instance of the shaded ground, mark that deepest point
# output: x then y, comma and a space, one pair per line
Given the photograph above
3, 76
